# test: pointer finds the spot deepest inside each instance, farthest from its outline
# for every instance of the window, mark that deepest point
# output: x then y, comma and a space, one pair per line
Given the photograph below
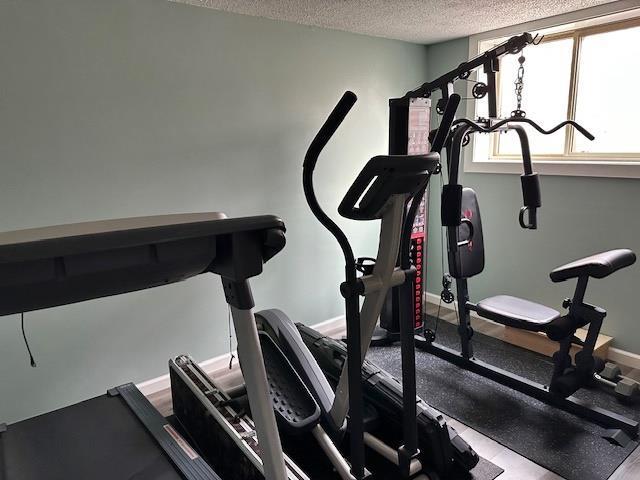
584, 71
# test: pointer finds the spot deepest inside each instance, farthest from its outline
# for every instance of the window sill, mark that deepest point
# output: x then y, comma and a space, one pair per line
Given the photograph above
575, 168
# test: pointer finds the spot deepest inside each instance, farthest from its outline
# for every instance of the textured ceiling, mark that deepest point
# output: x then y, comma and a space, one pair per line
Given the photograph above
420, 21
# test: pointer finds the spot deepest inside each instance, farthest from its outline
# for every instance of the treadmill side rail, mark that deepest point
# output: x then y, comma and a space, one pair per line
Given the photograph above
191, 465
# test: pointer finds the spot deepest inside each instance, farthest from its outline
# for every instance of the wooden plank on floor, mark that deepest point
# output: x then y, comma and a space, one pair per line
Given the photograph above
162, 401
538, 342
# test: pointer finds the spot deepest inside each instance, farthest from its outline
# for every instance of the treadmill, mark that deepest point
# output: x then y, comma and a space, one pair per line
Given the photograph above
120, 435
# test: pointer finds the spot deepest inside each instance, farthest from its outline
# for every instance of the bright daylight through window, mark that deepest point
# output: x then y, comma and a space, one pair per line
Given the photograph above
584, 74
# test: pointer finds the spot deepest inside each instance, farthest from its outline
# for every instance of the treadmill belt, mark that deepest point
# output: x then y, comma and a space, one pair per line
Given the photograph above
96, 439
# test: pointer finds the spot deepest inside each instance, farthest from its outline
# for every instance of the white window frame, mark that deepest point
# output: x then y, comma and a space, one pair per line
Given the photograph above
478, 156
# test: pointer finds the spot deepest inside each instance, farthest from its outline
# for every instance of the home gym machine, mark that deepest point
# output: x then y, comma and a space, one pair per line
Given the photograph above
404, 437
409, 133
121, 435
465, 247
461, 218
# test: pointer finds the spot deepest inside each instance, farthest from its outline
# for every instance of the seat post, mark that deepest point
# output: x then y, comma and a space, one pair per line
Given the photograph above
581, 288
561, 359
580, 314
584, 314
464, 320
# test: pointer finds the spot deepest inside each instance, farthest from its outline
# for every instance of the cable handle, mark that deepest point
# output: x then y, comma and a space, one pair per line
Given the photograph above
532, 222
469, 239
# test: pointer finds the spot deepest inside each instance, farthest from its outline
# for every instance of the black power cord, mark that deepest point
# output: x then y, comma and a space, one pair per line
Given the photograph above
26, 342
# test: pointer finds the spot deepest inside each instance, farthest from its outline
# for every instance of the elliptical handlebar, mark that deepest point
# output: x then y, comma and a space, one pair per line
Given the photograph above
331, 124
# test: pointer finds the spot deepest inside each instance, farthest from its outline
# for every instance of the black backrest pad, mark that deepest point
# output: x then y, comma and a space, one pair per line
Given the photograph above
468, 260
382, 177
47, 267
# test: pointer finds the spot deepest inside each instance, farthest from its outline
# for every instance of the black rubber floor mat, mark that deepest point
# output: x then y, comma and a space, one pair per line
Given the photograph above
571, 447
485, 470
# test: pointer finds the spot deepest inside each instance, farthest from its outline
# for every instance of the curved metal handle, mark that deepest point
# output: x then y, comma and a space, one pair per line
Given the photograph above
329, 127
532, 224
467, 222
575, 125
325, 133
479, 128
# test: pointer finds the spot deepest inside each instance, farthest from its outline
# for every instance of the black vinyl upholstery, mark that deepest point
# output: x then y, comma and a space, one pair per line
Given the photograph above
466, 261
516, 312
599, 265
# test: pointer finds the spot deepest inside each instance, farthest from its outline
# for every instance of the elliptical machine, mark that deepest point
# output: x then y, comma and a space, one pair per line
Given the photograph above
302, 396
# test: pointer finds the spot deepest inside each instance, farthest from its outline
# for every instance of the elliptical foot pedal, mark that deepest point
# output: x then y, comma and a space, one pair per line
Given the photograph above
295, 408
617, 437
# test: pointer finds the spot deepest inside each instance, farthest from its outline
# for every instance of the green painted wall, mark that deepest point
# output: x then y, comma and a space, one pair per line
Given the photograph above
139, 107
580, 216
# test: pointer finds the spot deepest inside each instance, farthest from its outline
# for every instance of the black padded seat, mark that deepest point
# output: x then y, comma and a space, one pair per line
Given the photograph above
599, 265
516, 312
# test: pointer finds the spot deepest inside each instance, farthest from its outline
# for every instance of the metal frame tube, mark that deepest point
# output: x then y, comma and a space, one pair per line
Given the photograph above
573, 405
391, 454
337, 460
255, 377
384, 270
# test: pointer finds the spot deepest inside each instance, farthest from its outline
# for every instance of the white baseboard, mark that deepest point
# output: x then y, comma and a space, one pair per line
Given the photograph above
624, 358
616, 355
334, 327
210, 366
